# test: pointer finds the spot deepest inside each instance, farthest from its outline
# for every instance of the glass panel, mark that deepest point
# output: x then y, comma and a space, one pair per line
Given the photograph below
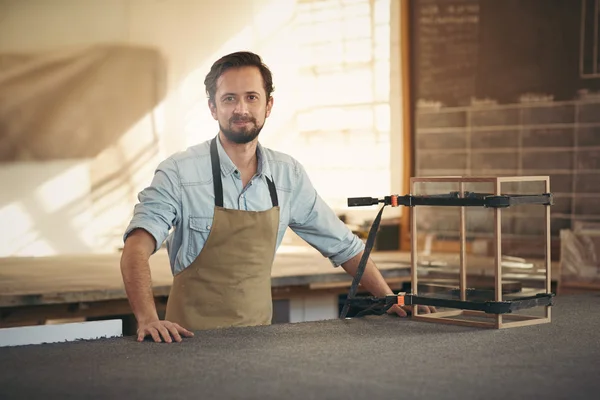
524, 246
438, 244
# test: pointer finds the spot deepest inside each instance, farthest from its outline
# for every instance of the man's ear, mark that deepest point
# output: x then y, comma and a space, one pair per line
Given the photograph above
213, 109
269, 106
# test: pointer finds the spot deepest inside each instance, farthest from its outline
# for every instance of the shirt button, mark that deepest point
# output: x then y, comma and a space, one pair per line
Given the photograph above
207, 226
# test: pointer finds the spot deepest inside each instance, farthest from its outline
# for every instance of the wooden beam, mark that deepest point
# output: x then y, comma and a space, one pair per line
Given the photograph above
407, 123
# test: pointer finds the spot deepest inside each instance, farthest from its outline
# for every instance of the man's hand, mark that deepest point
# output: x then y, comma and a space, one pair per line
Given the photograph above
404, 311
166, 329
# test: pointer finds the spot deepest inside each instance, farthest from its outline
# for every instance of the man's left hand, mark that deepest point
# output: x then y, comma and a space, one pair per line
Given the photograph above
403, 311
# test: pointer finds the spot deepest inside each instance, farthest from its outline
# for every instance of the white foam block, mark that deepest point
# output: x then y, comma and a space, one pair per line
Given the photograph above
39, 334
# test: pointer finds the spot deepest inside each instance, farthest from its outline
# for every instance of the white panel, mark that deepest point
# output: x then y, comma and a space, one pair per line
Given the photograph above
39, 334
313, 308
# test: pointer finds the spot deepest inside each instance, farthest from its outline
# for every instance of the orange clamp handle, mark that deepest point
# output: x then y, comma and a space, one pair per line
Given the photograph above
400, 300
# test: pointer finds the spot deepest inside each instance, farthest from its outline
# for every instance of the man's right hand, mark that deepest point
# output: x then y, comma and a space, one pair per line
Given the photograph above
162, 331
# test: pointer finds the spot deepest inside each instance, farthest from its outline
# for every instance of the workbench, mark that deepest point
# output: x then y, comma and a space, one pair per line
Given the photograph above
374, 357
34, 290
38, 289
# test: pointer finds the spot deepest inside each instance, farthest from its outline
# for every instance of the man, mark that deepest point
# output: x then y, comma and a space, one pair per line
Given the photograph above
229, 201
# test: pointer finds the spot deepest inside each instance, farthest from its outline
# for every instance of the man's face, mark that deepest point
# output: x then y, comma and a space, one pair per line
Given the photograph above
241, 106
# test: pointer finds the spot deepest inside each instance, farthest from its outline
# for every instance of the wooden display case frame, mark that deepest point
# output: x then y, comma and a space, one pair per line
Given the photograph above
483, 320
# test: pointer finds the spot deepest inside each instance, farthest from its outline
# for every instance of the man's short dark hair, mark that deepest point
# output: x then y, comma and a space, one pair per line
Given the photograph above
237, 60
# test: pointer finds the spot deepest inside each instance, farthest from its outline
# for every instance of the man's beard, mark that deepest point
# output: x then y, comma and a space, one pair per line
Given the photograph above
245, 134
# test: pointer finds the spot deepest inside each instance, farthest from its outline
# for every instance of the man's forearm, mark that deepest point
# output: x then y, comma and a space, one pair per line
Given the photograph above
371, 280
135, 269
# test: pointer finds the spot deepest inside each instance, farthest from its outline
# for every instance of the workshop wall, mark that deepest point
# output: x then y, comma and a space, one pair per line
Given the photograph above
510, 88
118, 86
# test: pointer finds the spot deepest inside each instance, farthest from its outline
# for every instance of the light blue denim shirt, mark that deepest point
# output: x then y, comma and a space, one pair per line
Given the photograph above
181, 196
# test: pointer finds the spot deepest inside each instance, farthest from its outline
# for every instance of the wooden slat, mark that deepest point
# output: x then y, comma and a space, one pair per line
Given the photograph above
539, 178
413, 251
453, 179
463, 247
407, 120
513, 317
548, 249
443, 314
490, 179
518, 317
450, 321
498, 251
515, 324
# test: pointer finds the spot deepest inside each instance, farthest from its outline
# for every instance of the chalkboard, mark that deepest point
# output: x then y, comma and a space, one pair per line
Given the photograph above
445, 50
509, 87
468, 50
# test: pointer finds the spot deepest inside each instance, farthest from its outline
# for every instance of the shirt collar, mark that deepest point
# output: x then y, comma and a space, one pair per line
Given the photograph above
228, 167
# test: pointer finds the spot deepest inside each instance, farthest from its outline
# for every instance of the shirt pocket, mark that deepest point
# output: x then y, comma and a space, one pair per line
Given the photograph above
198, 234
284, 221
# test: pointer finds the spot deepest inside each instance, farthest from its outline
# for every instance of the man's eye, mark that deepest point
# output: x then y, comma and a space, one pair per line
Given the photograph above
252, 97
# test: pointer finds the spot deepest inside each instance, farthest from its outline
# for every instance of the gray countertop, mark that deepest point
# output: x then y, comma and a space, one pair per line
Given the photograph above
373, 357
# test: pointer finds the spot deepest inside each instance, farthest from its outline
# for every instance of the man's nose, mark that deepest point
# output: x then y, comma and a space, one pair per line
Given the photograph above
241, 107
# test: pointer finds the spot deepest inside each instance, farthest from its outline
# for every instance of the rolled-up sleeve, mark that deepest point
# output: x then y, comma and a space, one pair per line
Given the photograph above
159, 206
315, 222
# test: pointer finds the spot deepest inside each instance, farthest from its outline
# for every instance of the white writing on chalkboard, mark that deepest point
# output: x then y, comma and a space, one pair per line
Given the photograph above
447, 50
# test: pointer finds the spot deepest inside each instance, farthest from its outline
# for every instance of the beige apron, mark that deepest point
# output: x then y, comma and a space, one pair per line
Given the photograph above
229, 282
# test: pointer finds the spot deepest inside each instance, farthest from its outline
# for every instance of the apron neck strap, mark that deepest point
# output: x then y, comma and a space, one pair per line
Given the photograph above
216, 171
273, 192
218, 183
